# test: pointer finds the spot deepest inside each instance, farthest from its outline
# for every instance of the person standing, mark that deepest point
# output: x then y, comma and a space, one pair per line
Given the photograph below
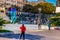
23, 29
49, 25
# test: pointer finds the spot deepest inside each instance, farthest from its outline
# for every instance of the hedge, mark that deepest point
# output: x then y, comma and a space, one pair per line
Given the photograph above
55, 21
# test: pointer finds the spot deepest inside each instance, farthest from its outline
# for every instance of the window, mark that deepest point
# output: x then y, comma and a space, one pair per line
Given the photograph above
2, 11
18, 2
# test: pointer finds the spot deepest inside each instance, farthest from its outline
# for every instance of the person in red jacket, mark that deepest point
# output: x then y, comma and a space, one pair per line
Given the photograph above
23, 29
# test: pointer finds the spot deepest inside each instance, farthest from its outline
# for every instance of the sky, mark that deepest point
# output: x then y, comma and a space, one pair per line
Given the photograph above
31, 0
51, 1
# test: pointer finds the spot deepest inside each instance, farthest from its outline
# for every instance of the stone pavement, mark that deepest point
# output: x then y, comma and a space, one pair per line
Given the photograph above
39, 35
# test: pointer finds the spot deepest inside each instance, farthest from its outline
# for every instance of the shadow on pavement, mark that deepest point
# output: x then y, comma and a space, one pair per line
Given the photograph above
28, 36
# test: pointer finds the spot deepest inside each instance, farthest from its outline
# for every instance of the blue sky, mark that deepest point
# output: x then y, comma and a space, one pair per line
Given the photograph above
31, 0
51, 1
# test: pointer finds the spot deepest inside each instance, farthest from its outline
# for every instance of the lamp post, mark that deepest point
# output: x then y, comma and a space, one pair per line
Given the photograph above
39, 18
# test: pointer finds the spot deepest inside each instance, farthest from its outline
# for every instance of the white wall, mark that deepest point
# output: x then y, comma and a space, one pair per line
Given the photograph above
44, 26
57, 9
14, 27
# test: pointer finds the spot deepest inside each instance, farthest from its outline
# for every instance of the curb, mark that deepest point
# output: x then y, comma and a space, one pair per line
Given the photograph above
34, 30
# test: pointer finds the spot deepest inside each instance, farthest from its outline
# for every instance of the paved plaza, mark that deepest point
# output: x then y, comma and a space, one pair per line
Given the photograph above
38, 35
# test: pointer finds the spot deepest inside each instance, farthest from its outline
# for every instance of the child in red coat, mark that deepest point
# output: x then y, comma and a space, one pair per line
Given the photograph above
23, 29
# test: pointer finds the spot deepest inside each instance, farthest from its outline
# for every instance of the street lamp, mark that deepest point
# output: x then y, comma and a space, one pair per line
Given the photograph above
39, 18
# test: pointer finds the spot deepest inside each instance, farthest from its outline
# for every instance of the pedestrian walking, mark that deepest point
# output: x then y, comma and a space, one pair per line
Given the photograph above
23, 29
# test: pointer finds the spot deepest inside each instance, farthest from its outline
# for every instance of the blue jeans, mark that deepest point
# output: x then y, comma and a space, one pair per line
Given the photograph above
22, 35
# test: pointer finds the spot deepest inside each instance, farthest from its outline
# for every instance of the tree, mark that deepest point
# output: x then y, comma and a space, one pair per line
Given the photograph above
46, 7
55, 21
27, 8
17, 7
35, 10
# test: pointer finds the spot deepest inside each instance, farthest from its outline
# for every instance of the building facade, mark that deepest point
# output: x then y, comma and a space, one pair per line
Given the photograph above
35, 2
1, 2
58, 3
57, 6
19, 3
12, 2
41, 0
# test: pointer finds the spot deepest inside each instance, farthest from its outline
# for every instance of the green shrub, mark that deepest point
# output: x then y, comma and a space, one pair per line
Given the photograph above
55, 21
1, 21
0, 28
4, 30
6, 22
57, 14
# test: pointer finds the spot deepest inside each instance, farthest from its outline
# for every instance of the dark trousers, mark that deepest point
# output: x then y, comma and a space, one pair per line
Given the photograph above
49, 26
22, 35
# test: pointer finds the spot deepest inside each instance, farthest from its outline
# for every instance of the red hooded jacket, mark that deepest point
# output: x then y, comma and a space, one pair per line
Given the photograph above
23, 28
